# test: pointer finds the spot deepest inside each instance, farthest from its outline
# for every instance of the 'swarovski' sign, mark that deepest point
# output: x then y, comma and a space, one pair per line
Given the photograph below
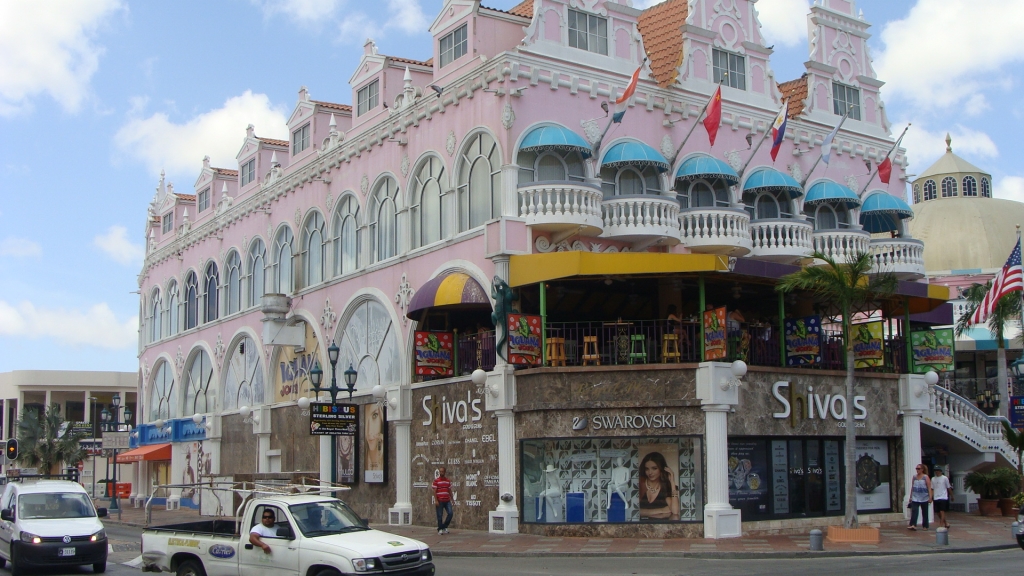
625, 422
815, 405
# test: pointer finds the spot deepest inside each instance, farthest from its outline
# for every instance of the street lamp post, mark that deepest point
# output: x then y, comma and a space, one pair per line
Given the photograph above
95, 434
115, 416
316, 376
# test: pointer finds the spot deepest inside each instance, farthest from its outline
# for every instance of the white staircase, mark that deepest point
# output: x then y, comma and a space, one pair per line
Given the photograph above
959, 417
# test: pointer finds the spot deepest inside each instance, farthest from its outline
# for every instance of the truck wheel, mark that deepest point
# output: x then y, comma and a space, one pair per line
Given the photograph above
3, 562
190, 568
16, 570
99, 567
1020, 542
328, 572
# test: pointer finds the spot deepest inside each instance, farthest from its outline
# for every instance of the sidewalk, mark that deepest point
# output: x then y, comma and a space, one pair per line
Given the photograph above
968, 533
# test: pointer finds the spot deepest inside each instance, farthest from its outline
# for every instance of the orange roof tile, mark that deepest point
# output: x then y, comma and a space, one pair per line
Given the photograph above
410, 61
332, 105
186, 197
661, 27
795, 91
524, 9
226, 171
273, 142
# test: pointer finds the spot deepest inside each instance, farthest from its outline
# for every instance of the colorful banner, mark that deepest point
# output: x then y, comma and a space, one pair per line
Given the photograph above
933, 350
375, 430
291, 369
523, 339
434, 354
803, 341
1017, 412
868, 348
326, 419
714, 334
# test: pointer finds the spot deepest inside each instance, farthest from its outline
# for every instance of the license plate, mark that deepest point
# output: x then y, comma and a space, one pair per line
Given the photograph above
66, 552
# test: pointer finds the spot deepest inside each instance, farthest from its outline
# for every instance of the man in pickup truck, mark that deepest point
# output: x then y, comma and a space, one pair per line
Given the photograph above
265, 529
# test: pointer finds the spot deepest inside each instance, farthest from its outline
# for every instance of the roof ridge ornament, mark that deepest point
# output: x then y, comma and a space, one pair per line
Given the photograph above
949, 143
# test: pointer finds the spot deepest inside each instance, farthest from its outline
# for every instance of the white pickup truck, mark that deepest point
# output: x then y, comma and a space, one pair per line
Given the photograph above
316, 536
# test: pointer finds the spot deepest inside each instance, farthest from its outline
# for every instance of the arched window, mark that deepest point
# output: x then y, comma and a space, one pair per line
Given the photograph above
256, 272
191, 300
156, 308
283, 277
243, 376
196, 384
345, 231
161, 396
917, 193
370, 343
172, 309
766, 206
829, 217
429, 222
703, 194
929, 190
948, 187
986, 192
550, 165
211, 301
384, 224
234, 288
314, 250
479, 188
630, 181
970, 186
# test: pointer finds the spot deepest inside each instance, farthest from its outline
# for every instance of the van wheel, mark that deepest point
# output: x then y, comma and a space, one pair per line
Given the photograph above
16, 570
190, 568
3, 562
99, 567
328, 572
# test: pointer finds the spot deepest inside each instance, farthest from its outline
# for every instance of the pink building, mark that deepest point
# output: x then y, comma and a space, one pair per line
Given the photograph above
488, 177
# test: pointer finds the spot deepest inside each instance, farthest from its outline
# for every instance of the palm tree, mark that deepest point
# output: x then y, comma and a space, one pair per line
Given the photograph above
1016, 441
48, 441
1007, 310
848, 288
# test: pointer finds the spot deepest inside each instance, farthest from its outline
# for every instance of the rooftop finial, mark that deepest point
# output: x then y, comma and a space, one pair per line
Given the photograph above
334, 124
949, 143
224, 188
273, 159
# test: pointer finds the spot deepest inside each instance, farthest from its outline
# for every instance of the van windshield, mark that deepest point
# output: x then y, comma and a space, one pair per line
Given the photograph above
325, 518
54, 505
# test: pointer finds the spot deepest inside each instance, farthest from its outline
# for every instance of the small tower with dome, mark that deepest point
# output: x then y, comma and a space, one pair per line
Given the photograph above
951, 177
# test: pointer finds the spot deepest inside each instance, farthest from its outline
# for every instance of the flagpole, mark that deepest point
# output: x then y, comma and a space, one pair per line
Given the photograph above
816, 162
767, 129
611, 118
875, 171
1021, 320
696, 120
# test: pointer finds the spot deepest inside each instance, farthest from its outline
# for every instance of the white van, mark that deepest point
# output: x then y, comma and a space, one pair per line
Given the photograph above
50, 523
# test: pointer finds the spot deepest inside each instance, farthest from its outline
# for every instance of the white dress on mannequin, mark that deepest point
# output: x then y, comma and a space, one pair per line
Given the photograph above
618, 483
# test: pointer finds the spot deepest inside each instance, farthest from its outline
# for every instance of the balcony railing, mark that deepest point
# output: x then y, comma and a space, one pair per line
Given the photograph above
716, 230
904, 257
558, 206
639, 218
840, 244
780, 239
475, 351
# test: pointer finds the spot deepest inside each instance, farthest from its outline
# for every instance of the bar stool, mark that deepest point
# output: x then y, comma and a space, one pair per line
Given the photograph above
590, 353
556, 352
670, 348
635, 339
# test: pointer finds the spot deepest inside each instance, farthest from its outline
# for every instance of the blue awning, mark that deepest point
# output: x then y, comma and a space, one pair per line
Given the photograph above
554, 137
634, 153
828, 192
771, 180
882, 212
707, 167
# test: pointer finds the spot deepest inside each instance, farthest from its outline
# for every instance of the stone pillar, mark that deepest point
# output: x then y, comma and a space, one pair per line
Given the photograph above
914, 400
500, 399
506, 459
401, 512
510, 190
326, 458
717, 388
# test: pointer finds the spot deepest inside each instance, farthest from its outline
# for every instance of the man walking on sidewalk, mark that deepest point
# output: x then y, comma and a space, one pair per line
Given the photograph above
442, 500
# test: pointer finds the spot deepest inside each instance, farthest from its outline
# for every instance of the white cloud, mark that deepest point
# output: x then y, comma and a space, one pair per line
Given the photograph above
115, 243
783, 21
97, 326
1010, 188
302, 11
946, 51
49, 49
924, 146
356, 27
407, 15
179, 148
19, 247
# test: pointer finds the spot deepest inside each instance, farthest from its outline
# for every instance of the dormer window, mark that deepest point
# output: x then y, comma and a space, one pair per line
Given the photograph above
732, 67
367, 97
248, 171
588, 32
300, 139
453, 46
204, 200
846, 98
167, 223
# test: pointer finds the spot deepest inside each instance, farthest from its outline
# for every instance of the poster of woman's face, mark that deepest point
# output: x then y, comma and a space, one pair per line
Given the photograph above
346, 460
658, 489
374, 428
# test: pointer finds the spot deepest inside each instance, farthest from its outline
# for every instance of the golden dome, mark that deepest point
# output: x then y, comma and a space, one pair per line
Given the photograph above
966, 233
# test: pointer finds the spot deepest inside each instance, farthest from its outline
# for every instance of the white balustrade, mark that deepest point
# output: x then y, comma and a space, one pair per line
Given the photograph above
561, 206
960, 416
716, 230
904, 257
641, 217
842, 245
781, 239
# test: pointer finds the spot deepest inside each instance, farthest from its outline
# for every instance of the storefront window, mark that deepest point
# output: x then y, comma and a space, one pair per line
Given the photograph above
615, 480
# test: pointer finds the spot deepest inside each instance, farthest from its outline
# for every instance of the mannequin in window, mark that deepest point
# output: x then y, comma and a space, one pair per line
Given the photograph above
618, 483
552, 493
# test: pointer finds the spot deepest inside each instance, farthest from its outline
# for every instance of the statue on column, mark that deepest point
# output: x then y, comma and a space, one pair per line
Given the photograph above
503, 297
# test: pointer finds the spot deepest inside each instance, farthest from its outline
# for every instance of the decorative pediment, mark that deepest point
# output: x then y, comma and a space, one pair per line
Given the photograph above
451, 12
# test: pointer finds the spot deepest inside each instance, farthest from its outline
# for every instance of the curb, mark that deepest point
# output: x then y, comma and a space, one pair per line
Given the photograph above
727, 555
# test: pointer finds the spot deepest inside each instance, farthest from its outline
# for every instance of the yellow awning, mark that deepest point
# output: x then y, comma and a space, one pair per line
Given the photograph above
533, 268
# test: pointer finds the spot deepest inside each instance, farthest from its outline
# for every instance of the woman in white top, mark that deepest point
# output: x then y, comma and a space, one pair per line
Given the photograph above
942, 495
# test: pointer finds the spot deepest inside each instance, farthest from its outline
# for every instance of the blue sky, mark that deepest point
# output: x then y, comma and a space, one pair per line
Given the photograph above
97, 96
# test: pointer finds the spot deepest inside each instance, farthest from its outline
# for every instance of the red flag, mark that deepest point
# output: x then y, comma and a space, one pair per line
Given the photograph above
714, 117
885, 170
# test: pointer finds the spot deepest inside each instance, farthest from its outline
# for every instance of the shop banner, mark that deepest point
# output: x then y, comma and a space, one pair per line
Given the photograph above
833, 496
868, 349
346, 454
327, 419
292, 365
434, 354
803, 341
1017, 411
748, 472
933, 350
375, 431
523, 339
873, 476
714, 334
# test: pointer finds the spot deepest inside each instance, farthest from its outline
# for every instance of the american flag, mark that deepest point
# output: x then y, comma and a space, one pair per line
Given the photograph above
1009, 279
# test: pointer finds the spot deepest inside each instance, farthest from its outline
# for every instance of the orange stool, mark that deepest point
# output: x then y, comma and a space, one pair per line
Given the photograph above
590, 353
556, 352
670, 348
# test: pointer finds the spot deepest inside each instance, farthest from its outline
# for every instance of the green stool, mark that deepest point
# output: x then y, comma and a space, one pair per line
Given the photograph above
634, 340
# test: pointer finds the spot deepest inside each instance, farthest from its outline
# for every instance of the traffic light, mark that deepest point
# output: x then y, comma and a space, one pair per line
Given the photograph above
12, 449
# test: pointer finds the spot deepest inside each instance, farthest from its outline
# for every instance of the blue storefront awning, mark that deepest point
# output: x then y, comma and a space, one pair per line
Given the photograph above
882, 212
771, 180
706, 167
828, 192
554, 137
634, 153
